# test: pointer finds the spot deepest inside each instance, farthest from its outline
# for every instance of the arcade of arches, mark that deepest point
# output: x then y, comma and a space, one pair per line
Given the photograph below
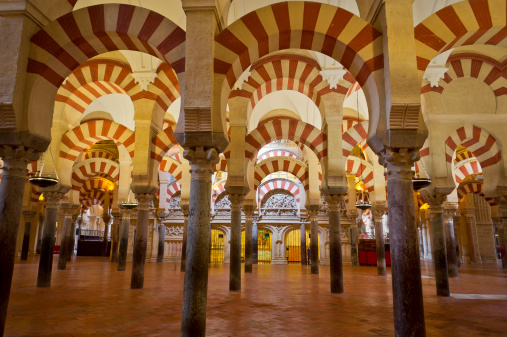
244, 132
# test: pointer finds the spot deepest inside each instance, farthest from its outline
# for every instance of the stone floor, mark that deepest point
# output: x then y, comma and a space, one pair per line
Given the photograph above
91, 298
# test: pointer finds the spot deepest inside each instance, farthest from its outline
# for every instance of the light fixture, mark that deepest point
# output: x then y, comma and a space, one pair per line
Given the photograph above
419, 183
127, 204
47, 180
362, 201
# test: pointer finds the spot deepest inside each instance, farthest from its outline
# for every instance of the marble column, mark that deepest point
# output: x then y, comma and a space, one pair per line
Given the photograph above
67, 236
235, 265
378, 214
161, 243
140, 239
28, 215
193, 319
106, 218
124, 240
450, 243
424, 239
255, 238
304, 258
115, 236
439, 251
39, 237
406, 269
48, 239
335, 243
456, 223
248, 209
354, 257
184, 209
314, 238
72, 242
15, 161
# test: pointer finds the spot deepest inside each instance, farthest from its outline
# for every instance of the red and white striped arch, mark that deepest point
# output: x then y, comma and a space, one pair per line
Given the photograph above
99, 154
330, 30
87, 203
172, 166
162, 143
218, 189
466, 168
83, 136
361, 168
475, 188
93, 194
484, 68
464, 155
278, 184
172, 189
277, 153
288, 72
354, 136
276, 164
483, 145
277, 129
96, 184
93, 168
477, 22
222, 164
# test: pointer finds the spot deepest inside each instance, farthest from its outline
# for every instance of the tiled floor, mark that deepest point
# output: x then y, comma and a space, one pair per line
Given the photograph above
91, 298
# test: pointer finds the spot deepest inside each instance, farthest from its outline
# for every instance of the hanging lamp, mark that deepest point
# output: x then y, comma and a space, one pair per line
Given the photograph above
362, 201
44, 181
419, 183
127, 204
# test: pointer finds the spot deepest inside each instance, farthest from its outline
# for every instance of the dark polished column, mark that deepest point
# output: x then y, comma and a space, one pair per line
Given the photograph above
106, 218
39, 237
255, 239
184, 210
406, 269
161, 243
248, 210
235, 264
314, 238
335, 243
48, 238
15, 161
436, 202
72, 242
28, 215
354, 258
115, 236
140, 239
193, 319
124, 240
450, 243
304, 258
67, 235
379, 240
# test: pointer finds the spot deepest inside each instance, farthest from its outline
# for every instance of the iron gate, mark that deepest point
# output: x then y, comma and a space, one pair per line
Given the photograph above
217, 250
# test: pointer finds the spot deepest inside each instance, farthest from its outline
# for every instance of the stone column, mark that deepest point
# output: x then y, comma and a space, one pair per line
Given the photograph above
124, 240
502, 230
28, 215
72, 241
67, 236
48, 239
314, 239
140, 240
193, 320
115, 236
39, 237
161, 243
15, 161
106, 218
304, 258
439, 252
235, 265
335, 243
424, 239
456, 223
378, 213
184, 209
501, 240
255, 247
450, 243
248, 209
406, 269
354, 256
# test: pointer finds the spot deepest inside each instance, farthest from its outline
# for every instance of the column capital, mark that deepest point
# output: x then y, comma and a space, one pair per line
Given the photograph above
106, 219
143, 201
16, 159
378, 212
333, 202
68, 209
29, 214
249, 211
236, 200
399, 162
313, 211
201, 161
436, 202
53, 199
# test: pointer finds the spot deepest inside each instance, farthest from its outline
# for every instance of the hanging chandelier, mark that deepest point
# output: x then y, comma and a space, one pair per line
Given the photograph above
362, 201
44, 180
127, 204
420, 182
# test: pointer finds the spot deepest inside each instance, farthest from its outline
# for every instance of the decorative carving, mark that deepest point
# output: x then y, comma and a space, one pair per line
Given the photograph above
174, 231
197, 119
434, 75
201, 161
404, 116
7, 116
144, 201
333, 76
242, 79
144, 78
175, 202
399, 162
223, 203
235, 201
16, 158
279, 204
436, 202
53, 199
